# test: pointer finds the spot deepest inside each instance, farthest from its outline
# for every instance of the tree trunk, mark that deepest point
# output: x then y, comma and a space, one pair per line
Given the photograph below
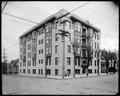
87, 68
114, 66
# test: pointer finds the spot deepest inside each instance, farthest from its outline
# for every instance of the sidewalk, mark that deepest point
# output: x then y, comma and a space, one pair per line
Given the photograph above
70, 77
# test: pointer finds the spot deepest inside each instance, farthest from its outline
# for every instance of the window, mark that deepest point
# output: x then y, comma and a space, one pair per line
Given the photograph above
34, 62
39, 51
67, 26
95, 44
77, 71
77, 27
41, 71
49, 49
49, 27
23, 70
39, 61
83, 52
95, 62
41, 41
68, 60
56, 48
84, 31
21, 57
34, 71
56, 37
89, 70
48, 71
95, 70
68, 72
29, 70
46, 50
42, 51
38, 71
20, 50
98, 37
29, 55
77, 61
48, 61
29, 63
46, 39
78, 50
29, 46
20, 64
69, 48
69, 36
56, 71
49, 39
95, 35
56, 60
40, 31
20, 71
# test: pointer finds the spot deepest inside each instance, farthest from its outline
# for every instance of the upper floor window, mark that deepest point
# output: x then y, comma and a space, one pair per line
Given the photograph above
29, 37
40, 31
20, 64
77, 27
48, 39
67, 26
84, 31
49, 27
98, 37
29, 55
56, 61
69, 48
78, 50
20, 50
47, 50
56, 37
48, 60
97, 45
56, 48
29, 46
68, 60
29, 63
41, 51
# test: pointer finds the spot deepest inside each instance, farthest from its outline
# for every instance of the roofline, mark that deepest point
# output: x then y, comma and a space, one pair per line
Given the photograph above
42, 22
54, 16
85, 22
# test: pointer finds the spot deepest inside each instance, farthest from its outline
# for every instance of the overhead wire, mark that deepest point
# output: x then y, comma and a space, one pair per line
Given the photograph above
36, 22
4, 6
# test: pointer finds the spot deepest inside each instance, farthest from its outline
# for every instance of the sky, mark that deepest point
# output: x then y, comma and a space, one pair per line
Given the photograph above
104, 15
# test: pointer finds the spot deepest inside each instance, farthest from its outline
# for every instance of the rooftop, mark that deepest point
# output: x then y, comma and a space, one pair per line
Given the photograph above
58, 15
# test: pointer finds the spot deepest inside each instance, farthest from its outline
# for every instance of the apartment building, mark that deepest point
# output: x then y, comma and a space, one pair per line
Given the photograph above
46, 52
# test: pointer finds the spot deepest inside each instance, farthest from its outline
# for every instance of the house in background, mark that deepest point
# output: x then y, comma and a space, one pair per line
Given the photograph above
13, 67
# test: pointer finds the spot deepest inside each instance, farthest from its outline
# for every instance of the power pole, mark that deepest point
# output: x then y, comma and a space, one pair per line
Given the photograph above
4, 62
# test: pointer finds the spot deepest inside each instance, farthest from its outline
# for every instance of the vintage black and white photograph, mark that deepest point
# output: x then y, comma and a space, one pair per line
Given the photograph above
60, 47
